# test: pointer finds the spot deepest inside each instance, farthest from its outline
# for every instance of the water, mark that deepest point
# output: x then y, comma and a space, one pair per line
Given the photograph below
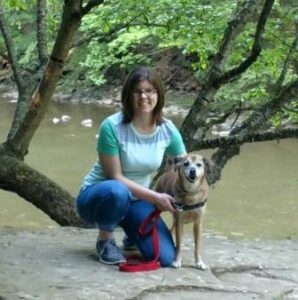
256, 197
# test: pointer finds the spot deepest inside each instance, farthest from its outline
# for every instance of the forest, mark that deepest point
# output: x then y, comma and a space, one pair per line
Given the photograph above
238, 57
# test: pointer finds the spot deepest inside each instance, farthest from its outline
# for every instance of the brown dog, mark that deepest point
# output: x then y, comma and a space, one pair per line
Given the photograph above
185, 180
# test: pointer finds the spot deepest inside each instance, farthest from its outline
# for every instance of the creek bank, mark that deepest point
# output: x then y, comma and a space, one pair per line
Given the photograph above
177, 105
60, 263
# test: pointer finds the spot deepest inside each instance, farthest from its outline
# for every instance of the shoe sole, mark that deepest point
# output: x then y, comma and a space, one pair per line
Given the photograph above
112, 262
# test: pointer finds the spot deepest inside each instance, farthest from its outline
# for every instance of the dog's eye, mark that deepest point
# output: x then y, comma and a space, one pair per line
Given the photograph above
186, 163
199, 164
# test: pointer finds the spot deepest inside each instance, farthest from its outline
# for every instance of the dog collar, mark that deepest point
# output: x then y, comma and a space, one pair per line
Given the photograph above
181, 207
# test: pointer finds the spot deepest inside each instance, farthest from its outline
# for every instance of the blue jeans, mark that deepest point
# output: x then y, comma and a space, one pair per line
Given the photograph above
108, 204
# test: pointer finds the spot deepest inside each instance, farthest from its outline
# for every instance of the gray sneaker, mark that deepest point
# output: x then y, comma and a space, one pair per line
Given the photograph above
109, 253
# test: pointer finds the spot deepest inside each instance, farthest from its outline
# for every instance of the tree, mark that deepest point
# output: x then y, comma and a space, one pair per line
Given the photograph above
34, 97
216, 75
217, 70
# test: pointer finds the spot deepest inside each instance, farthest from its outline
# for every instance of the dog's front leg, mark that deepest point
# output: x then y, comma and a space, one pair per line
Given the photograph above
197, 232
178, 235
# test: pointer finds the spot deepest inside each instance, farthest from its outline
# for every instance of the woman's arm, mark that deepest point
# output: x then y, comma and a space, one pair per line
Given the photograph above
112, 169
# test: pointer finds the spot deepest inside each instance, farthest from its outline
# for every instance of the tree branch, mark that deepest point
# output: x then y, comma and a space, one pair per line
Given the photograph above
290, 109
235, 26
108, 36
249, 127
219, 160
256, 48
42, 192
20, 138
236, 108
195, 122
253, 137
11, 50
283, 42
260, 117
284, 70
91, 4
41, 32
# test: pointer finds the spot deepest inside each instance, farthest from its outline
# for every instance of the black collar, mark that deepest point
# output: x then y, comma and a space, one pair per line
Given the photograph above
180, 207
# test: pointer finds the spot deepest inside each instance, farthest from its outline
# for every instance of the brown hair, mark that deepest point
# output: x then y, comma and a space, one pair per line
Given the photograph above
133, 78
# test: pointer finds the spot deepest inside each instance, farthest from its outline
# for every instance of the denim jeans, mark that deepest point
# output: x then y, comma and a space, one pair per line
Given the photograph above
108, 204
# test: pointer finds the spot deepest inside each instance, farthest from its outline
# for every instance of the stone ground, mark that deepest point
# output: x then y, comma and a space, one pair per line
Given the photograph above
60, 263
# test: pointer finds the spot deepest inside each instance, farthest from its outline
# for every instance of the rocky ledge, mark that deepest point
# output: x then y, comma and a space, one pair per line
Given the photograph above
60, 263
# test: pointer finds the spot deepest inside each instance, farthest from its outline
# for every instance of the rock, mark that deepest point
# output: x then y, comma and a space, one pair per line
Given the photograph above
56, 120
60, 263
87, 123
65, 118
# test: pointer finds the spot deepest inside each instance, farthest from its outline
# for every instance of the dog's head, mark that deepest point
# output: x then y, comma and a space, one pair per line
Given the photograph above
192, 169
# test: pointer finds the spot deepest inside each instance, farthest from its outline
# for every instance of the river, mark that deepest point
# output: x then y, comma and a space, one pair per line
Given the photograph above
257, 196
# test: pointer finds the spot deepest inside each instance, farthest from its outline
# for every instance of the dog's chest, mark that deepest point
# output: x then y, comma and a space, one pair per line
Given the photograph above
190, 216
189, 198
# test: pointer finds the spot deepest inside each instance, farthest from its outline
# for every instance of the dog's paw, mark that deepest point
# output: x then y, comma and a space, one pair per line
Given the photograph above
177, 264
201, 265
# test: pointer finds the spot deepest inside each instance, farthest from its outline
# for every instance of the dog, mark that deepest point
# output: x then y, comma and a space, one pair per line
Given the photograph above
185, 180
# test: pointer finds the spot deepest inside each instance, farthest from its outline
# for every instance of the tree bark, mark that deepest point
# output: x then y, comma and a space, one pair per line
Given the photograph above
19, 138
253, 137
17, 177
42, 32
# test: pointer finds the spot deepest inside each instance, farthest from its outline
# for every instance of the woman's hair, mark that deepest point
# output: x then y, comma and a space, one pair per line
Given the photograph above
132, 80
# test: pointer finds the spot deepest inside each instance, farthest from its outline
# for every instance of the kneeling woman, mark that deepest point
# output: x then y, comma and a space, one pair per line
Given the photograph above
130, 147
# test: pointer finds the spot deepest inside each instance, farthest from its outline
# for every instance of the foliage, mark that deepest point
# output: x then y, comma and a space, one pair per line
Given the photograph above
194, 28
122, 34
21, 18
254, 86
118, 52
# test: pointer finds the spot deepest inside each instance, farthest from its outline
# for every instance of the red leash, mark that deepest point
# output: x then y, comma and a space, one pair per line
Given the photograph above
133, 263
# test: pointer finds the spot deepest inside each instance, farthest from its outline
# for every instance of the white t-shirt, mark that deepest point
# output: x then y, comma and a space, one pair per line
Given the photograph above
140, 155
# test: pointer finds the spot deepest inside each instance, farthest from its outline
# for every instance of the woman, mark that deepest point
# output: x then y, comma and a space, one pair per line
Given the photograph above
131, 146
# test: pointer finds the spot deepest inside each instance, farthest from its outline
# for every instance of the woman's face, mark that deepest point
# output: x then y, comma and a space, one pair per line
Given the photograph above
144, 97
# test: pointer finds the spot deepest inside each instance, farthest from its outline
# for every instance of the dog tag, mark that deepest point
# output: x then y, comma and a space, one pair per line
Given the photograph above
178, 207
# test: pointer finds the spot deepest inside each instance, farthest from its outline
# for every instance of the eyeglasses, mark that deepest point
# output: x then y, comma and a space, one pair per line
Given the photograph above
147, 93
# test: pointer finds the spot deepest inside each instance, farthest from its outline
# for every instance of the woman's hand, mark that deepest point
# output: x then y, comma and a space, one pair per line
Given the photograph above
164, 202
112, 169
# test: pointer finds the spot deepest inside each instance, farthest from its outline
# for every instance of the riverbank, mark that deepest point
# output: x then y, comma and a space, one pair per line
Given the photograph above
60, 263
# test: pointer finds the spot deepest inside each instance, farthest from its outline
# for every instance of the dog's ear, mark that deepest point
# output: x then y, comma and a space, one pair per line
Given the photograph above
170, 165
178, 160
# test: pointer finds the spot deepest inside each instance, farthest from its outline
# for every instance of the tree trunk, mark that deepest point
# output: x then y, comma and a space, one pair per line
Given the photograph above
18, 177
15, 175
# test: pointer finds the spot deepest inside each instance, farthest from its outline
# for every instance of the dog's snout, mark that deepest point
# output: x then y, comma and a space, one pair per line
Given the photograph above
192, 172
